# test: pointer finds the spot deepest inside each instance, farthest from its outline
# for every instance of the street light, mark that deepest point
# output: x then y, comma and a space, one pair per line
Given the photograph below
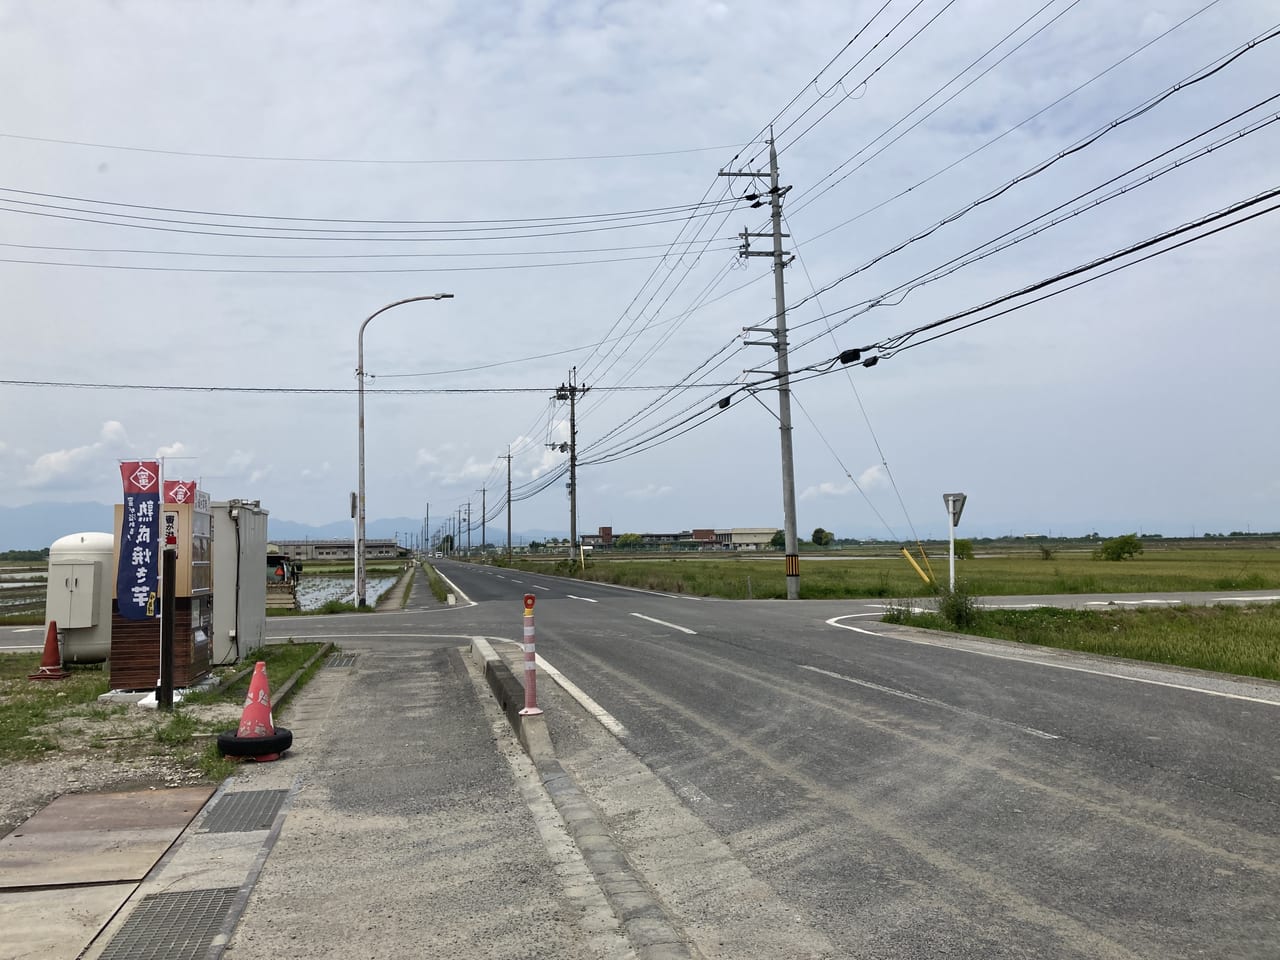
360, 577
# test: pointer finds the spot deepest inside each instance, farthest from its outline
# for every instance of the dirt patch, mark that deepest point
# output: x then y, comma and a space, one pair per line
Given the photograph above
115, 747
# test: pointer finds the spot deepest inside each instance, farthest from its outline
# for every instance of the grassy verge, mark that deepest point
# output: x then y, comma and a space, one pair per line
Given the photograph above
38, 719
1242, 640
439, 589
738, 577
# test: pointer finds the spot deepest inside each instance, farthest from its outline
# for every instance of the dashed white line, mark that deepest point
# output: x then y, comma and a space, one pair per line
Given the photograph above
673, 626
1057, 666
588, 599
1126, 603
933, 703
538, 586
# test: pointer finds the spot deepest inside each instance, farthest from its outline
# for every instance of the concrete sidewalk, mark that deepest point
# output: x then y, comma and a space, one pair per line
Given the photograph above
405, 821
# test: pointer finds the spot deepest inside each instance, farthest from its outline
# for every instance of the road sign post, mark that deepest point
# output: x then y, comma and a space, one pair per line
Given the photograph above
955, 506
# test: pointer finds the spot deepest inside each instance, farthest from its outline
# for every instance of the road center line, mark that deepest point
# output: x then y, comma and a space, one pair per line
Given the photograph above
1058, 666
588, 599
673, 626
932, 703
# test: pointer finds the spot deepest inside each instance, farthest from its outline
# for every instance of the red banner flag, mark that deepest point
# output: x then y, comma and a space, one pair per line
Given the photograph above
179, 491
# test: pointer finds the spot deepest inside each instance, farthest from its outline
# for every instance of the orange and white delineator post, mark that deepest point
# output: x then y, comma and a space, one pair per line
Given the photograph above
531, 707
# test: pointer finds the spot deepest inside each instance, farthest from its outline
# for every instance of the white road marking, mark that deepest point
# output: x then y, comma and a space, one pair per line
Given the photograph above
1058, 666
1125, 603
1244, 599
27, 629
933, 703
521, 582
606, 719
588, 599
538, 586
673, 626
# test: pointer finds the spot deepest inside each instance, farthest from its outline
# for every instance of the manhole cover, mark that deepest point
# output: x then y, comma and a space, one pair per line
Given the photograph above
172, 926
242, 812
341, 660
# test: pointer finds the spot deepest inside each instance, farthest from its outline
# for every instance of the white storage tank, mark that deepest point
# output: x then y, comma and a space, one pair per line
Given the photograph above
79, 595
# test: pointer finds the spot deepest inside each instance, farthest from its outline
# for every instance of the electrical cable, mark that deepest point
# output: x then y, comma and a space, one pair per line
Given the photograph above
800, 201
1012, 237
385, 162
867, 79
995, 63
1088, 140
501, 223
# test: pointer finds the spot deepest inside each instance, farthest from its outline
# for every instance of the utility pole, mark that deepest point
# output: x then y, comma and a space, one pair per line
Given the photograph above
508, 459
571, 393
779, 344
468, 528
426, 529
483, 493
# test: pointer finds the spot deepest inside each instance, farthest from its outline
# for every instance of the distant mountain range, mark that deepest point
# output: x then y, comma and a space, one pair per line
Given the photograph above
36, 525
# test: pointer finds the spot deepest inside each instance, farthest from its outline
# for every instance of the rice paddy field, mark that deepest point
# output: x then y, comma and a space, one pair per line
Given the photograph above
832, 576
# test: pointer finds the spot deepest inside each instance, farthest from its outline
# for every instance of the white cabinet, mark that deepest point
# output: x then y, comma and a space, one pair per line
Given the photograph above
73, 592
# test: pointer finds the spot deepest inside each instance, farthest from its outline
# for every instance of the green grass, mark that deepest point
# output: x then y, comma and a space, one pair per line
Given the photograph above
1159, 570
439, 589
28, 710
1242, 640
27, 705
283, 660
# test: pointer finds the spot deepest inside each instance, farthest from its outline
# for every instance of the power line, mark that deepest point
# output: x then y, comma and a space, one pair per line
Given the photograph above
332, 270
193, 388
995, 63
891, 345
308, 233
503, 222
798, 205
1012, 237
867, 79
357, 160
226, 255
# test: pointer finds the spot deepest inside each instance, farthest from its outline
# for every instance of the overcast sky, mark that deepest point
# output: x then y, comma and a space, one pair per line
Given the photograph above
542, 163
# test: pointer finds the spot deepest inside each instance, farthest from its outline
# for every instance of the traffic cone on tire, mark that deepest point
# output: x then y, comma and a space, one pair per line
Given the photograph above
51, 660
257, 737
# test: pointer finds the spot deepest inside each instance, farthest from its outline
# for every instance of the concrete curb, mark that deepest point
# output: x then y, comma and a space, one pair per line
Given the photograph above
646, 923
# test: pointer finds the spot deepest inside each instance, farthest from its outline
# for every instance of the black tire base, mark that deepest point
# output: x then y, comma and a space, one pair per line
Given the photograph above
230, 744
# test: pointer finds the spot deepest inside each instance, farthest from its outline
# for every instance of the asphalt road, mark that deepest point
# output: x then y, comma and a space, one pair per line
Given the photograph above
798, 779
912, 796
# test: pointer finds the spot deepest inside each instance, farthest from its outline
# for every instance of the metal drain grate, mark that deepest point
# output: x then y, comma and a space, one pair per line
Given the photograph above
172, 926
341, 660
242, 812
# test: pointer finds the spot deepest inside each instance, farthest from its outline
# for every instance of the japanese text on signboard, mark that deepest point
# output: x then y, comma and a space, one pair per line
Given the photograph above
138, 573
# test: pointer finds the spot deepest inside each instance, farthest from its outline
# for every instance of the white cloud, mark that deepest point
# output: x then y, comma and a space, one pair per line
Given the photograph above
176, 451
875, 477
826, 489
649, 492
76, 466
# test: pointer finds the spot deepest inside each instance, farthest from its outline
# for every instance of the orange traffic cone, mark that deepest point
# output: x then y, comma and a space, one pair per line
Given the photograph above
51, 661
257, 736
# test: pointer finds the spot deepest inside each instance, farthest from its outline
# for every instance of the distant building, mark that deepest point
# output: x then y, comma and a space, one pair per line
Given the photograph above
337, 550
701, 538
